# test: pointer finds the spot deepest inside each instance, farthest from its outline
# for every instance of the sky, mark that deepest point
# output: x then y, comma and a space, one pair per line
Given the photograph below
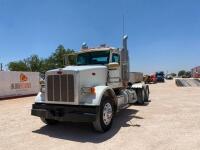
163, 34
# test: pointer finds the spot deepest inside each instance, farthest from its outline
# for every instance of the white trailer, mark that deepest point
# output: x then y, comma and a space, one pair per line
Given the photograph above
92, 90
14, 83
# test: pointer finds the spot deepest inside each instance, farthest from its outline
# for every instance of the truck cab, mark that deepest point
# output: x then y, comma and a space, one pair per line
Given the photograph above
93, 87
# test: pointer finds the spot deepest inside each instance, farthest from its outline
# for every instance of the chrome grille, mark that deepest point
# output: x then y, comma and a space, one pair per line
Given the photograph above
60, 88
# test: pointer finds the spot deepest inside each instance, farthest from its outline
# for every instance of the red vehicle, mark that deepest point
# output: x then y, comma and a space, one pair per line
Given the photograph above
196, 72
153, 78
150, 79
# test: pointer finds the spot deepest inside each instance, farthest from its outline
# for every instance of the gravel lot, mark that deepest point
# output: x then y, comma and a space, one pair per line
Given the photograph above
170, 121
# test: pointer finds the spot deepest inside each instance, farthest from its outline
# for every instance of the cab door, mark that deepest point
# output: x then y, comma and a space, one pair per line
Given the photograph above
114, 72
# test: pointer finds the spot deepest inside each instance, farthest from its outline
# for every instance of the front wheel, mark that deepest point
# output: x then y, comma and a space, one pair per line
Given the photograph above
105, 117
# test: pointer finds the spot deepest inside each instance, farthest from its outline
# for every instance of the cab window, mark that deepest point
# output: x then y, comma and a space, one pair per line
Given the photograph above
92, 58
115, 58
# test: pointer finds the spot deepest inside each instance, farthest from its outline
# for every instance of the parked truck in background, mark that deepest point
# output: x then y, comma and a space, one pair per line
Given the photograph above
153, 78
160, 76
93, 90
148, 79
195, 72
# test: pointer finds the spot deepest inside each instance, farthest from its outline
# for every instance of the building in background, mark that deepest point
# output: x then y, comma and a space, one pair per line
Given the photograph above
196, 72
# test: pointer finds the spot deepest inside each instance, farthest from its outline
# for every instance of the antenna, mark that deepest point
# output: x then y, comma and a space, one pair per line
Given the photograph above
123, 25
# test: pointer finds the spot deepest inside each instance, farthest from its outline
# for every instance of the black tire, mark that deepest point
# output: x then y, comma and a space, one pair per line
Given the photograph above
141, 96
49, 121
100, 125
146, 96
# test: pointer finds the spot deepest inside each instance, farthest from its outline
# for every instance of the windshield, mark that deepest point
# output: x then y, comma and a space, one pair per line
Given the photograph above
92, 58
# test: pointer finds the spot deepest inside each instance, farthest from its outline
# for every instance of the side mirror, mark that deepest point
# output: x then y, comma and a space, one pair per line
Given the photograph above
113, 66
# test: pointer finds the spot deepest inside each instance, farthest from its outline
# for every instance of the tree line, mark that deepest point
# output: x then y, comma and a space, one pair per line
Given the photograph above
56, 60
36, 64
183, 73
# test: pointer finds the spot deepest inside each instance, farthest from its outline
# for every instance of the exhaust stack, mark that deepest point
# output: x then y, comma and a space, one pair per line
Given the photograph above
125, 62
125, 38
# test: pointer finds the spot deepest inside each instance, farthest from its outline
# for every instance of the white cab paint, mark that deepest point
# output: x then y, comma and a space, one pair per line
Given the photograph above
95, 100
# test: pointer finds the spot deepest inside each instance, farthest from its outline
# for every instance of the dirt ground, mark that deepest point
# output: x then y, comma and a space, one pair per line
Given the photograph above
171, 121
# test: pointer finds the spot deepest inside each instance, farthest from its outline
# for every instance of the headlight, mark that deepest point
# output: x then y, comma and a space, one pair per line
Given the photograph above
40, 97
90, 90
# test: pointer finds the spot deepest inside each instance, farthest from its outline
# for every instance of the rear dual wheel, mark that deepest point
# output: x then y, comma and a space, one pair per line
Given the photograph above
143, 95
146, 96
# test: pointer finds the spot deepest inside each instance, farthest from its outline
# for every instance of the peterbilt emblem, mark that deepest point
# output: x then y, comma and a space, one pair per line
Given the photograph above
59, 72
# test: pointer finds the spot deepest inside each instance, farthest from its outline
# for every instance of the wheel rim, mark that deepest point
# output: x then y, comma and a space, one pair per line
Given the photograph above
107, 113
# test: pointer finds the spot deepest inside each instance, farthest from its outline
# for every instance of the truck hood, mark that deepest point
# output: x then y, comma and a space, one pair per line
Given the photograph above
78, 77
80, 68
86, 76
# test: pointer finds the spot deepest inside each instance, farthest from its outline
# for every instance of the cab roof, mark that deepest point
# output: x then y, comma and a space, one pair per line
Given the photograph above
99, 49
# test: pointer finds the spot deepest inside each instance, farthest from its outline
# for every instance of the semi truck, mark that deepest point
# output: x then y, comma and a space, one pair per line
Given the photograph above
160, 76
93, 89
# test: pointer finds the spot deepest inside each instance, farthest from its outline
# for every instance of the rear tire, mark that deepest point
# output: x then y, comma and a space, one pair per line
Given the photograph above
146, 96
49, 121
105, 117
141, 96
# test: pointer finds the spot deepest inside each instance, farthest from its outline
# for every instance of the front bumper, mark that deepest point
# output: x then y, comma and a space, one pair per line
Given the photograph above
72, 113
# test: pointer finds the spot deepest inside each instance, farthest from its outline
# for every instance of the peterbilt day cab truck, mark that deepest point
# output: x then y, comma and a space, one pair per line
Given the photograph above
93, 90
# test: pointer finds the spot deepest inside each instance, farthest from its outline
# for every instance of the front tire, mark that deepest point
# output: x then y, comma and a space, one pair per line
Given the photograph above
105, 117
